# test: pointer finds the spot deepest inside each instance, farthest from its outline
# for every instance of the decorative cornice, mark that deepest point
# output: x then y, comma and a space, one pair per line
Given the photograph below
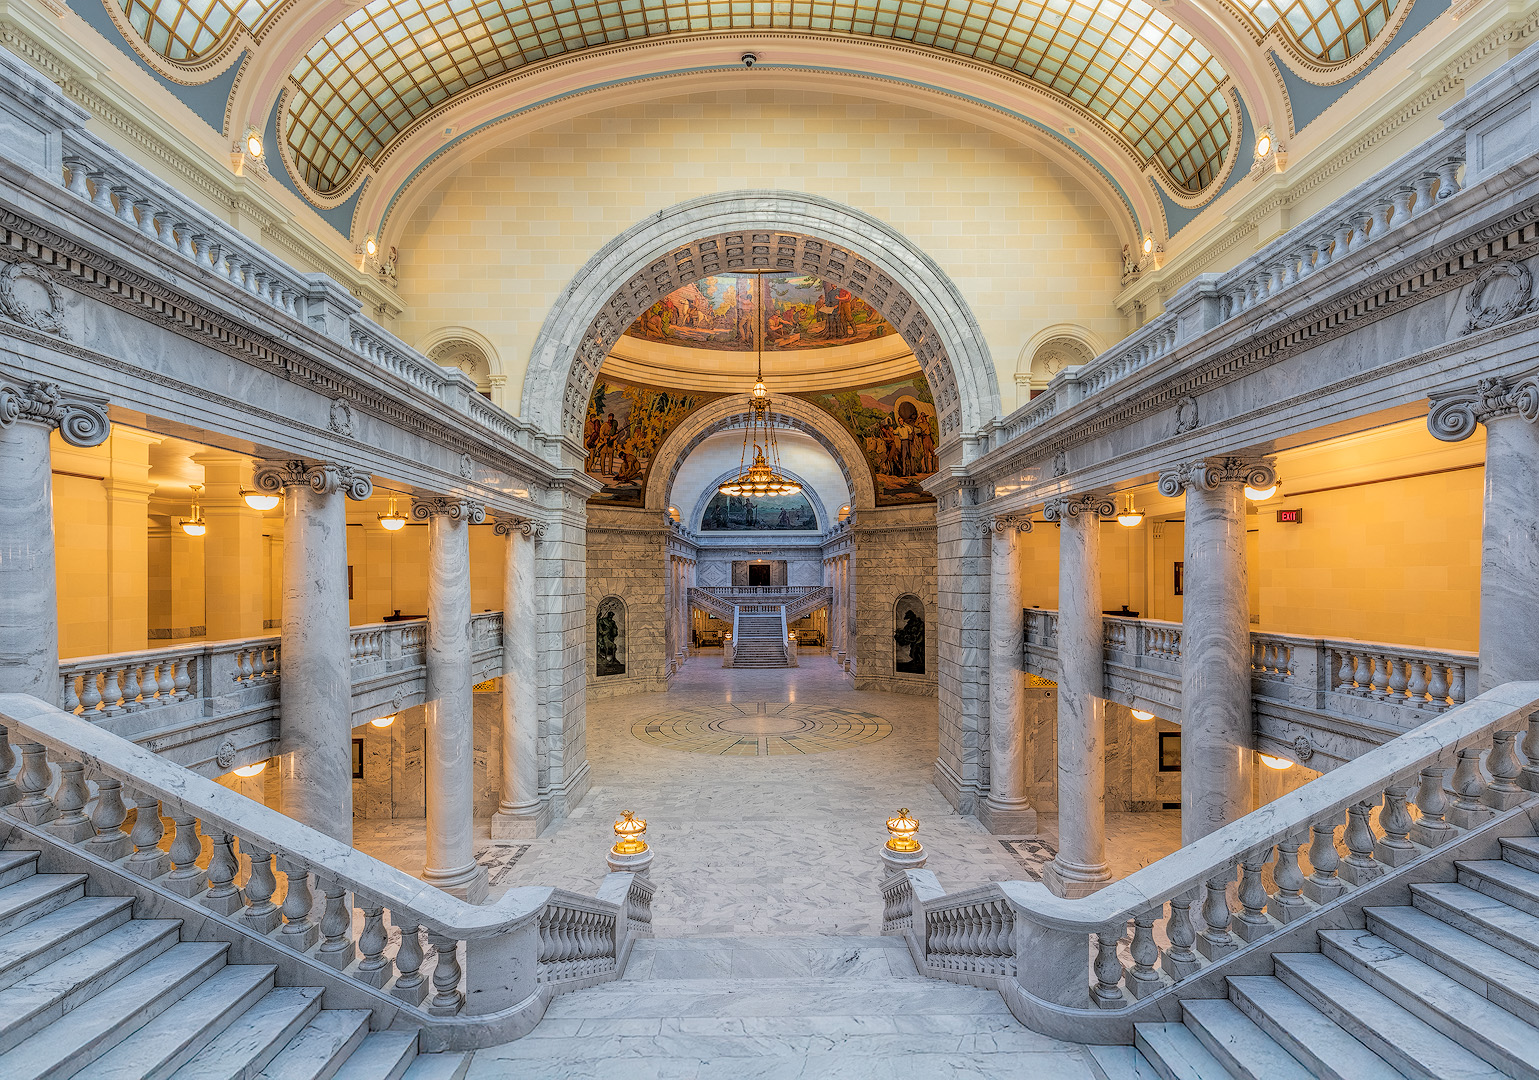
326, 477
80, 422
1069, 506
1209, 473
466, 510
1453, 416
528, 526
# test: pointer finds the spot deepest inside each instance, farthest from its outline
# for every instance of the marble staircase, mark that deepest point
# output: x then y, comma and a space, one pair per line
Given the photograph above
760, 642
88, 990
1444, 986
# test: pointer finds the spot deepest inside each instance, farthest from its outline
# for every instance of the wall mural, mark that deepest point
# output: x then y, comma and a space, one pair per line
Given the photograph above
756, 513
626, 424
804, 312
895, 426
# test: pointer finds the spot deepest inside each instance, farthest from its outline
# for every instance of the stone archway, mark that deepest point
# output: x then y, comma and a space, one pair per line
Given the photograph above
698, 511
776, 230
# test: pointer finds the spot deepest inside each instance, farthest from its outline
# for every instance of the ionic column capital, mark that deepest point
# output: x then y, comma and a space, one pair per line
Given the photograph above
1069, 506
455, 509
1453, 416
1209, 473
325, 477
528, 526
80, 422
1007, 523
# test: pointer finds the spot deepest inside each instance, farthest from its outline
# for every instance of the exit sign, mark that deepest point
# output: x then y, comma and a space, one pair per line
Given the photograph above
1290, 516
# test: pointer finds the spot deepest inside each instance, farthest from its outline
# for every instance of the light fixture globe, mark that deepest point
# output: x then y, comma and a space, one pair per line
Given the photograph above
1260, 494
254, 769
629, 830
1129, 517
392, 521
194, 525
1273, 761
902, 829
260, 500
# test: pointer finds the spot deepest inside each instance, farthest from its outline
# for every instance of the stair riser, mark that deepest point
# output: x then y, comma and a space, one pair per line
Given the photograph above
1349, 1023
1455, 970
79, 935
1221, 1050
1527, 859
53, 901
1429, 1013
16, 873
1165, 1069
1520, 900
200, 1037
253, 1059
1283, 1037
314, 1068
1461, 920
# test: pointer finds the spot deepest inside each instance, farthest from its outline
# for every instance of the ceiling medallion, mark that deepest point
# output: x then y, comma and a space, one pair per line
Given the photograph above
763, 477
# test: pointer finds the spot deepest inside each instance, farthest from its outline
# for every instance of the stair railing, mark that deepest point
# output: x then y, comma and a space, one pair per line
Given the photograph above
1088, 969
494, 967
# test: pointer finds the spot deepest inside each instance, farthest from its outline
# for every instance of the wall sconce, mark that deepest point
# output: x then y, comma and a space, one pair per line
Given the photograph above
1129, 517
260, 500
1272, 761
392, 522
195, 525
1260, 494
1140, 714
1148, 245
254, 143
901, 831
383, 721
254, 769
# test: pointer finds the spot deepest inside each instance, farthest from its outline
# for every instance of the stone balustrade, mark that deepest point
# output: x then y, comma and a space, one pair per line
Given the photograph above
1088, 969
470, 976
178, 698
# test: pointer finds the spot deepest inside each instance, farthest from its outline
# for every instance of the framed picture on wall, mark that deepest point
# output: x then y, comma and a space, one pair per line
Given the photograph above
1170, 750
357, 759
1180, 578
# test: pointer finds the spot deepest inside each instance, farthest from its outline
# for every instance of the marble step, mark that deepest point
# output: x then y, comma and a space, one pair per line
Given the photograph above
383, 1055
242, 1050
1120, 1063
1481, 916
449, 1065
775, 997
1506, 881
1482, 967
1522, 851
15, 865
165, 1044
33, 1003
1238, 1043
321, 1047
40, 942
1395, 1034
1175, 1053
36, 895
1311, 1037
773, 956
95, 1026
1468, 1018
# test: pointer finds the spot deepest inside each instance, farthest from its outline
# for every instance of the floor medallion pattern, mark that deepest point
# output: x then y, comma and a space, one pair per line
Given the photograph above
760, 729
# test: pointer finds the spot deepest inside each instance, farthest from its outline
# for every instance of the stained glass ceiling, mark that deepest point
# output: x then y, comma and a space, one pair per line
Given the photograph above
186, 30
394, 61
1329, 30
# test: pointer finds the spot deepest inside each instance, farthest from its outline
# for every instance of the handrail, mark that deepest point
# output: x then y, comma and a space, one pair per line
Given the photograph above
503, 965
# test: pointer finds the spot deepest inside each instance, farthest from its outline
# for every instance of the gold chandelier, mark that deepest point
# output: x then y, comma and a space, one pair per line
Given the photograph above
763, 477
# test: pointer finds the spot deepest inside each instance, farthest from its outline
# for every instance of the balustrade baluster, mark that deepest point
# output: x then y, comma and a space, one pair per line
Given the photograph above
90, 697
1529, 779
35, 806
336, 927
1362, 675
1393, 848
1144, 978
299, 930
1398, 680
1107, 991
374, 968
1456, 684
1287, 903
1382, 668
78, 167
410, 986
1322, 886
1252, 924
223, 894
1447, 178
1469, 788
1430, 828
1359, 867
1216, 940
70, 799
262, 914
1180, 959
187, 879
107, 816
1416, 688
1437, 687
1504, 767
112, 692
447, 998
9, 792
1423, 186
147, 861
70, 699
1401, 205
1343, 667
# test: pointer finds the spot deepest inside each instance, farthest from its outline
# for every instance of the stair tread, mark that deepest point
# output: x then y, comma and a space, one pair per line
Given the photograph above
1309, 1031
18, 897
1529, 845
1487, 962
1400, 1031
383, 1055
1237, 1041
155, 985
1487, 910
11, 858
184, 1027
1503, 873
1501, 1031
59, 927
1121, 1063
1176, 1053
253, 1038
27, 997
313, 1053
449, 1065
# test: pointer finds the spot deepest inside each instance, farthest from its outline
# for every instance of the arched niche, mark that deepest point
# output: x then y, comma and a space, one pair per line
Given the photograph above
910, 635
608, 633
1054, 350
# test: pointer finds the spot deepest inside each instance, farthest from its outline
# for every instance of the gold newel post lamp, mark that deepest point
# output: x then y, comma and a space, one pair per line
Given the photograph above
630, 853
902, 851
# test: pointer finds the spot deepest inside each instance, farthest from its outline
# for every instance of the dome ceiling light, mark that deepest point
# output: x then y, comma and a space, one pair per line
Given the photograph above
763, 477
1128, 516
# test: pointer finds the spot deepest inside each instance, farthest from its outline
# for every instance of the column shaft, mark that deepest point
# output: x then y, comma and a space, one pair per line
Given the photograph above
1080, 866
518, 815
1217, 737
1509, 555
1007, 810
29, 603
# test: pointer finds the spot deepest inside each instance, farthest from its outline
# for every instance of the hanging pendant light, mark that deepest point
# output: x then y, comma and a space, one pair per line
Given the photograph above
392, 522
763, 476
195, 526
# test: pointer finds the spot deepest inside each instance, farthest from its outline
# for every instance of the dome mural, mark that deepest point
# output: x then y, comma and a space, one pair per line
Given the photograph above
803, 312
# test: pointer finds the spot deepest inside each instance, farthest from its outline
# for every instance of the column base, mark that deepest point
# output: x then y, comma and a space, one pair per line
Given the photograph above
1072, 882
1007, 821
467, 883
521, 824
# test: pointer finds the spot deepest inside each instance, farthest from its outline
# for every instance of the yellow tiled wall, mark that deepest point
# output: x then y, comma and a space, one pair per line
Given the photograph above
495, 245
390, 570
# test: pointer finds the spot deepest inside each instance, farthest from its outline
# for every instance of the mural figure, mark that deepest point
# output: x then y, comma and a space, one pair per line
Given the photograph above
895, 426
609, 630
801, 312
747, 513
909, 657
625, 426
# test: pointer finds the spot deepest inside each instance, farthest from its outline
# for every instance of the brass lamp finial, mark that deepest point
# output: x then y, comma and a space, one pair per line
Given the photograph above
903, 827
629, 830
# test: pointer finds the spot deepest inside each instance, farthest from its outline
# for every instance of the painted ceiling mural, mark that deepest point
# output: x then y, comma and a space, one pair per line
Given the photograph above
895, 425
802, 312
625, 426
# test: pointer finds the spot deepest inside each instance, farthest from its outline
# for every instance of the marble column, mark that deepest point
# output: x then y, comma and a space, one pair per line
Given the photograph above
315, 748
1080, 865
449, 764
1006, 810
29, 613
519, 814
1217, 724
1509, 531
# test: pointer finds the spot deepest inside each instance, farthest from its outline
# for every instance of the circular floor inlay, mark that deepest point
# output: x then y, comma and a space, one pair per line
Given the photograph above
753, 728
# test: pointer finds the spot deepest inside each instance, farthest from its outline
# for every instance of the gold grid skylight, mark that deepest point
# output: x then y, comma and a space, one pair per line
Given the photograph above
1328, 30
395, 60
184, 30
